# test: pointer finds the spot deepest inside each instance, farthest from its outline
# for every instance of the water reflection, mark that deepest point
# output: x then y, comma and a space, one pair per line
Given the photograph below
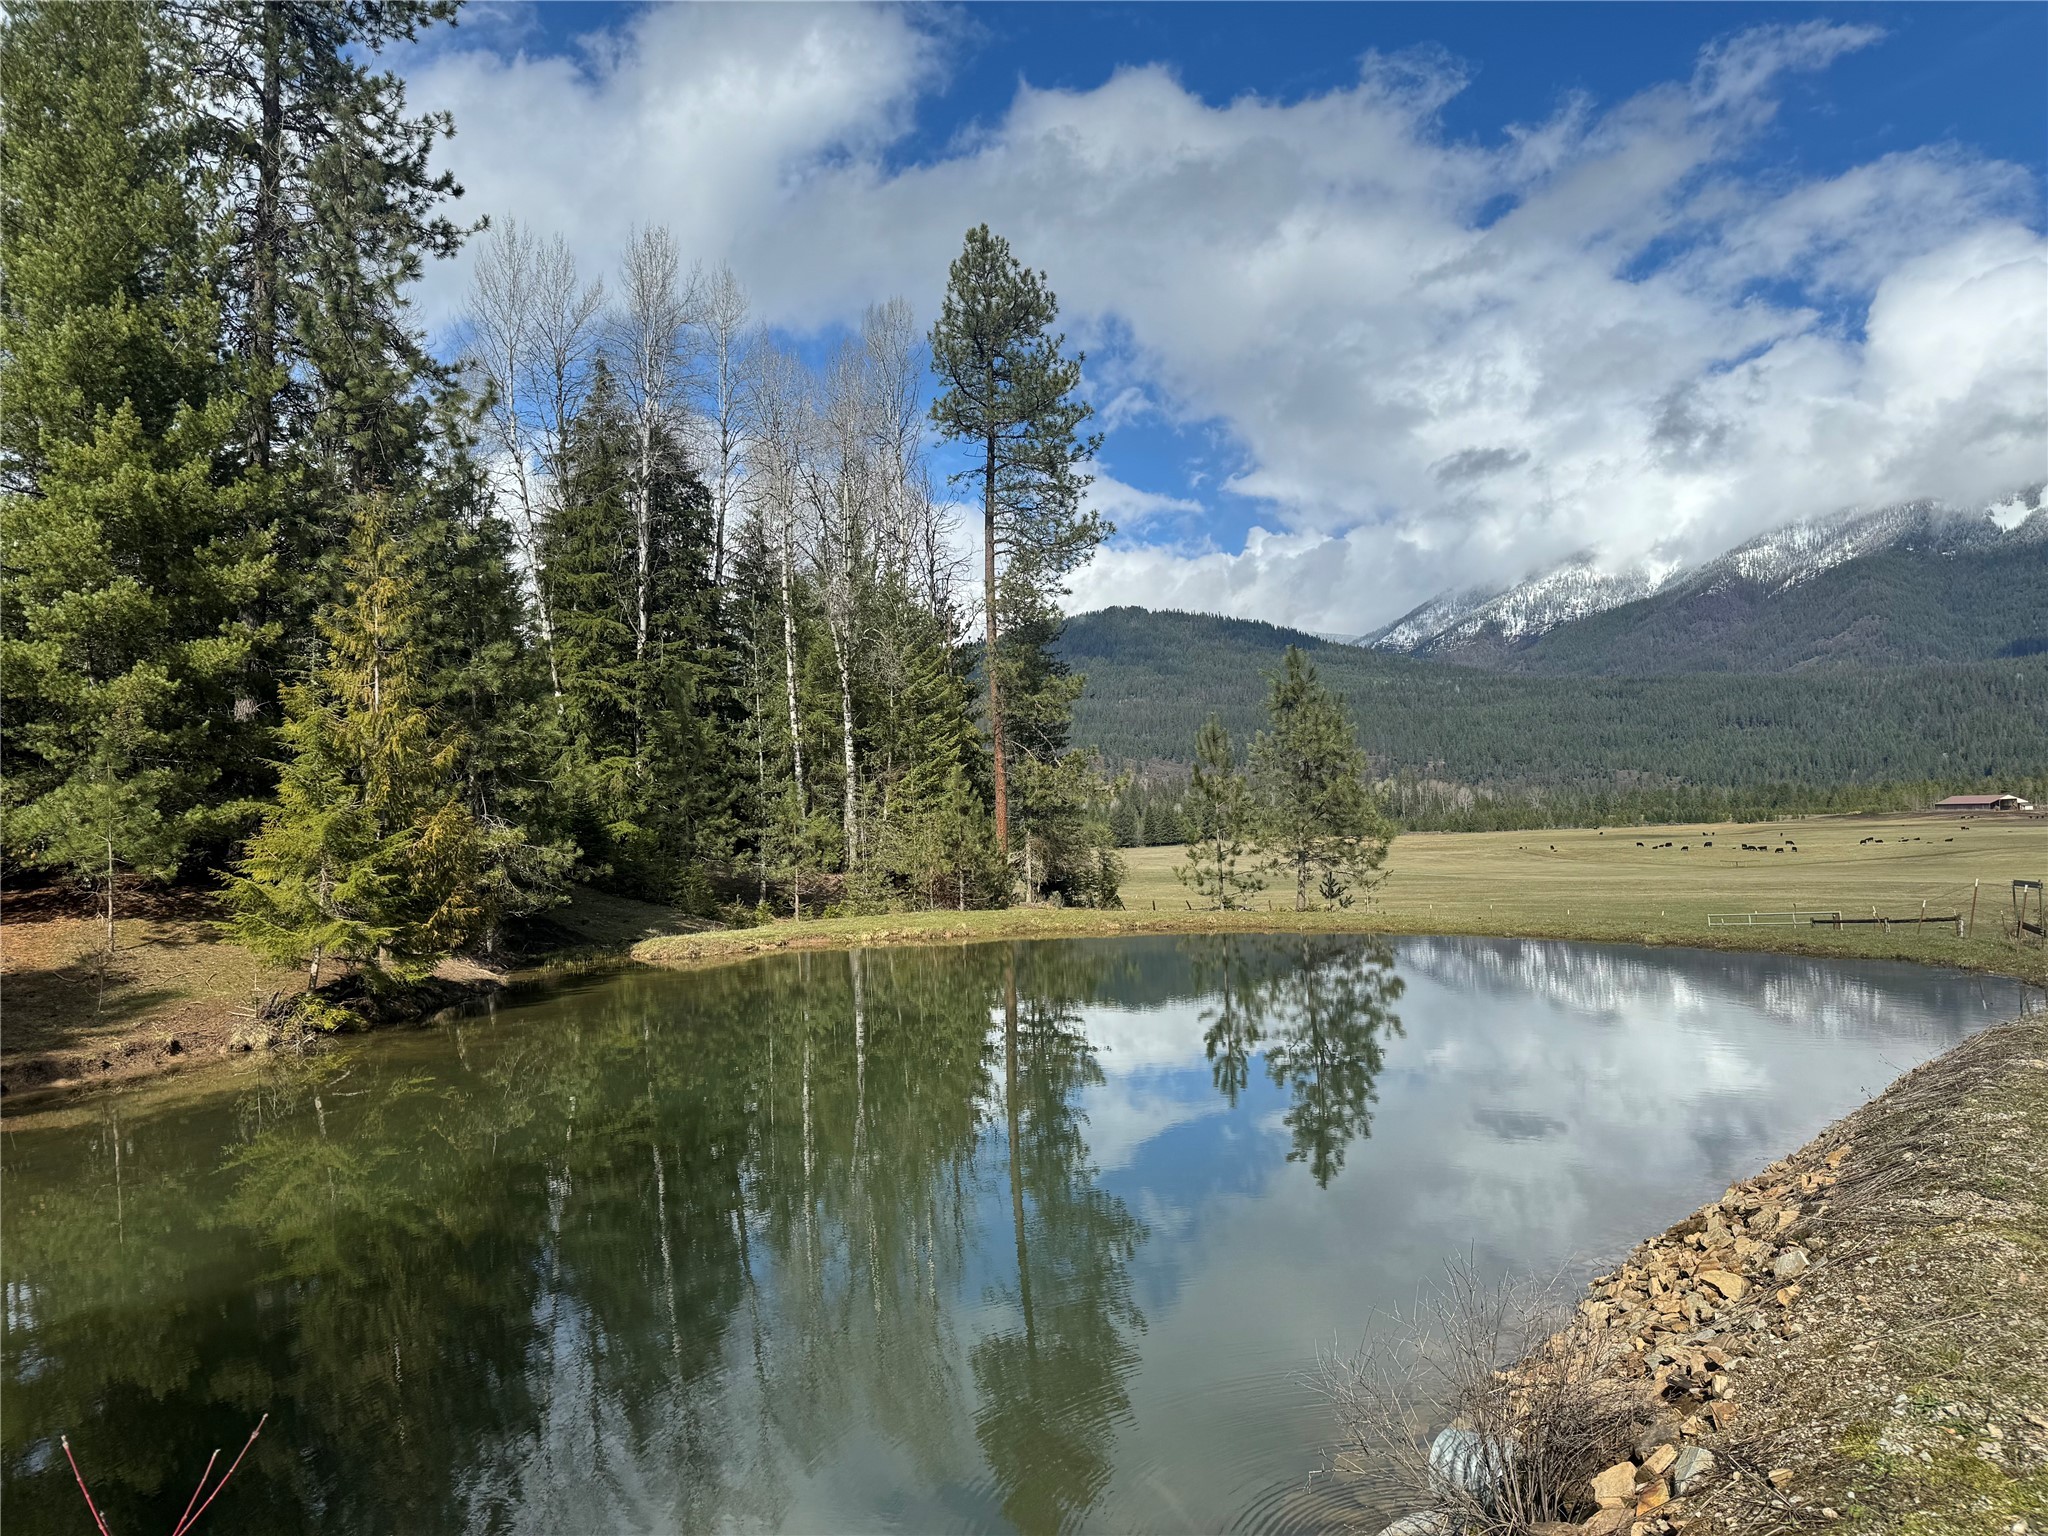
997, 1237
1319, 1006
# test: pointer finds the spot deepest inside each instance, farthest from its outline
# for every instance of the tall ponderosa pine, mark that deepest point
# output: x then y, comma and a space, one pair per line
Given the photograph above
1225, 821
1321, 826
370, 854
1008, 400
126, 562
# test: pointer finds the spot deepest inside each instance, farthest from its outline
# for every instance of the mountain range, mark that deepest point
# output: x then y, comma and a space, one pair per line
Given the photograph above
1899, 585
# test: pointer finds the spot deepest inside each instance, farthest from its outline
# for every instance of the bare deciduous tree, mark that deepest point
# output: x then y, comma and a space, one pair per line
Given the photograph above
657, 306
722, 425
531, 337
777, 408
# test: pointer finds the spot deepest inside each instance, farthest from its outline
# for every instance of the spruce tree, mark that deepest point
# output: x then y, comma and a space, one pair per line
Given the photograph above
647, 765
1320, 824
482, 681
1224, 816
1008, 400
370, 854
936, 838
120, 510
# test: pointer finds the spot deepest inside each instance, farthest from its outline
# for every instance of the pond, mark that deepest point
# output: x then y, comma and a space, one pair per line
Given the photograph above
1038, 1236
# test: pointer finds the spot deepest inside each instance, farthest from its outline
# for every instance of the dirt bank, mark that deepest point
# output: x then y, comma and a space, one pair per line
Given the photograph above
174, 997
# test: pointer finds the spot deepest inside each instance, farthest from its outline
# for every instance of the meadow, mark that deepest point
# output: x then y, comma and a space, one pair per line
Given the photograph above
1644, 885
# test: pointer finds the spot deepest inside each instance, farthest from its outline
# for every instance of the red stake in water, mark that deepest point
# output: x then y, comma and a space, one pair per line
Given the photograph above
191, 1516
65, 1441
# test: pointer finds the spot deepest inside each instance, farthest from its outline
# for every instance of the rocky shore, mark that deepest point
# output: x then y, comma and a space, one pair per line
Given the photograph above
1857, 1337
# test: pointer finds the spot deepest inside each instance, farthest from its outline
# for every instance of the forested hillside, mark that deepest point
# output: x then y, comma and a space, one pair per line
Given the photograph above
1154, 677
1896, 607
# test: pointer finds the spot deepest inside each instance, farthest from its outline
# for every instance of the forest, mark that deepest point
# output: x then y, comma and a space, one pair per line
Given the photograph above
396, 641
1459, 749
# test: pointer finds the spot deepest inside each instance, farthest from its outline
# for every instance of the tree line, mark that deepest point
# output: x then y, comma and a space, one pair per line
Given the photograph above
623, 589
1155, 808
1154, 677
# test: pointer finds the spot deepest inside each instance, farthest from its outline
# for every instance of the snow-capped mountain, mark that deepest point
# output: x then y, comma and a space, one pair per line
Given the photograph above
1478, 625
1432, 618
1787, 556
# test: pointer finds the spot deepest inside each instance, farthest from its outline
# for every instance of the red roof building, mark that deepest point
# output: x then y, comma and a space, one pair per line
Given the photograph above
1983, 803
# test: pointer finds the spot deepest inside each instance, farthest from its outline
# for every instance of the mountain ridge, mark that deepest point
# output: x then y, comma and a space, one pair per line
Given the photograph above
1692, 620
1152, 678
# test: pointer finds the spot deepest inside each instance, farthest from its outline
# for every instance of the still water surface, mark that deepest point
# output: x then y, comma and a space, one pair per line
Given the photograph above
1035, 1237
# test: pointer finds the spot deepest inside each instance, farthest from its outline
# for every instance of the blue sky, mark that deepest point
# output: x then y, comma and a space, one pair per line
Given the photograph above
1378, 299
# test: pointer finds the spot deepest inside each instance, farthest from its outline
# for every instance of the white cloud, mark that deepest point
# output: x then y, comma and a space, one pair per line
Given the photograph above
1436, 362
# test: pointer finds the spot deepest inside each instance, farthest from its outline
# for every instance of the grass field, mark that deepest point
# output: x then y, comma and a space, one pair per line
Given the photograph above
176, 993
1619, 885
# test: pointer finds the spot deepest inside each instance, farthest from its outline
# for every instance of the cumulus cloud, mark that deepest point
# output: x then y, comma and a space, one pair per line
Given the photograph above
1437, 363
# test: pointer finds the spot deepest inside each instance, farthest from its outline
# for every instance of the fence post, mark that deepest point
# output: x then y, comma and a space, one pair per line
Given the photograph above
1973, 908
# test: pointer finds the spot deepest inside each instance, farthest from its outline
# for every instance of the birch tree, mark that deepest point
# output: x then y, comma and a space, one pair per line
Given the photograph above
777, 409
532, 335
721, 328
656, 308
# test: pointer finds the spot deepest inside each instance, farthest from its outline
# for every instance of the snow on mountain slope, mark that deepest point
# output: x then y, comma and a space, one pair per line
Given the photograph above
1476, 620
1430, 618
1571, 591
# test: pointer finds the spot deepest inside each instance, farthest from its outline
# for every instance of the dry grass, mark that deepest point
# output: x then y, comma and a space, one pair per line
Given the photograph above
1518, 1376
1567, 885
171, 993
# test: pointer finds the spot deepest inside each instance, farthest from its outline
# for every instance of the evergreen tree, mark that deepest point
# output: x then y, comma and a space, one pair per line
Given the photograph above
647, 767
935, 839
1320, 825
329, 207
1008, 396
370, 854
120, 511
482, 681
1224, 819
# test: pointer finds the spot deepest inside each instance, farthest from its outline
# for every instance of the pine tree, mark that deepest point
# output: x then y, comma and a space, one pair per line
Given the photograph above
1225, 817
120, 511
370, 855
1319, 823
1008, 396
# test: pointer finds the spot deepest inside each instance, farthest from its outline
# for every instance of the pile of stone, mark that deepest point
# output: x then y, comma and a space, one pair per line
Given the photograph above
1682, 1312
1679, 1316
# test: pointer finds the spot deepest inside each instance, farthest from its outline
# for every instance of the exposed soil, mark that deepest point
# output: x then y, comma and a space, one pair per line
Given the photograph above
172, 993
175, 995
1858, 1337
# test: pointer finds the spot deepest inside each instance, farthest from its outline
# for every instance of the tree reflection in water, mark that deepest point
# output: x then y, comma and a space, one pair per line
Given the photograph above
1320, 1007
650, 1254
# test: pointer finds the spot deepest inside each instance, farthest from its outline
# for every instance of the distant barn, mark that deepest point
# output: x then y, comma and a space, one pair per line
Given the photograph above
1983, 803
